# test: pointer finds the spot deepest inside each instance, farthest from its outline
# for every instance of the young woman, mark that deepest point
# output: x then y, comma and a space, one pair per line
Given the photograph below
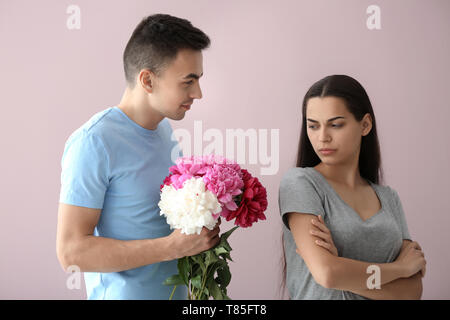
345, 235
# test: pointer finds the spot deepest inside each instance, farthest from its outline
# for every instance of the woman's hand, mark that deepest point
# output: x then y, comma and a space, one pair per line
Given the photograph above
412, 258
326, 241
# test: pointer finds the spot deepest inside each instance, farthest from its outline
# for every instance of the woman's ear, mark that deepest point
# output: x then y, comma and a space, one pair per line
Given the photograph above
366, 124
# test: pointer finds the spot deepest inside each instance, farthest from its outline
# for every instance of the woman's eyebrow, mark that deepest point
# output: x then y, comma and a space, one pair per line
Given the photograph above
339, 117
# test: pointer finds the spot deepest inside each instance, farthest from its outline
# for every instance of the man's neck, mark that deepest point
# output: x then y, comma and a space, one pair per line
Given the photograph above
139, 111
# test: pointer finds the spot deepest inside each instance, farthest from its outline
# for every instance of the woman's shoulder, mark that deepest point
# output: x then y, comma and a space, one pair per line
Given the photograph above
387, 192
297, 177
385, 189
296, 173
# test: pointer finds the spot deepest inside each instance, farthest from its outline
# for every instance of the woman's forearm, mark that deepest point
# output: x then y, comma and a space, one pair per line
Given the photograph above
399, 289
352, 275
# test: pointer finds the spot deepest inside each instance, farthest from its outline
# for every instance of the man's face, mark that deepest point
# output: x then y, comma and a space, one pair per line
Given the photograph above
178, 85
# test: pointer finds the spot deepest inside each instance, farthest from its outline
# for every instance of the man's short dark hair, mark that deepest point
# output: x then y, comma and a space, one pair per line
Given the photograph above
155, 43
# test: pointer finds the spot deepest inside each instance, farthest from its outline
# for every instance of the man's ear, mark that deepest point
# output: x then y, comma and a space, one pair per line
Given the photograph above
366, 124
146, 80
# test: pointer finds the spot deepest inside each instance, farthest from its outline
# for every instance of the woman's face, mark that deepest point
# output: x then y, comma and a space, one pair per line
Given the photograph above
334, 132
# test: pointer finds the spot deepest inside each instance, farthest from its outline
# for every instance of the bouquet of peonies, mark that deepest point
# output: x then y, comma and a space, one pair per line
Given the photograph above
196, 193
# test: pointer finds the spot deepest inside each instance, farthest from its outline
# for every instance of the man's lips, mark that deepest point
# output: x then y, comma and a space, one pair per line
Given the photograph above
186, 106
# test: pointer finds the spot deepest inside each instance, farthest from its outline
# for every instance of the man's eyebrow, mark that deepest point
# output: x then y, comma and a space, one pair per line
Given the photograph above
193, 76
339, 117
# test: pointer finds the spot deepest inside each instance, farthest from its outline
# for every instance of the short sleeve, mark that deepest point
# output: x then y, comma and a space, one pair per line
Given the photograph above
84, 175
400, 215
298, 194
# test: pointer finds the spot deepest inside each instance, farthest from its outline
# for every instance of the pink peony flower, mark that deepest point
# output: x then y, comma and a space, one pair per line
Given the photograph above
184, 169
225, 181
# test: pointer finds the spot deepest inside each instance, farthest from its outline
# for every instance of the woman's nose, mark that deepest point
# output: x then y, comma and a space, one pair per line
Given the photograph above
324, 136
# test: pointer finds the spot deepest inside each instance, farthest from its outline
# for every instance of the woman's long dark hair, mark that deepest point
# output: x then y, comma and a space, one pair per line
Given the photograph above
358, 103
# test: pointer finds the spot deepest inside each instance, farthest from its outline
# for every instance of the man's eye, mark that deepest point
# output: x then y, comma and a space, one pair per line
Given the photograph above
189, 82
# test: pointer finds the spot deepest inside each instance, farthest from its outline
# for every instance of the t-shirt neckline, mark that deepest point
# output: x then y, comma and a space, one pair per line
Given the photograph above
328, 185
140, 129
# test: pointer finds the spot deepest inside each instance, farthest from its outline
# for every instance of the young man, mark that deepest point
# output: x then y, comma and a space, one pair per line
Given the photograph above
109, 223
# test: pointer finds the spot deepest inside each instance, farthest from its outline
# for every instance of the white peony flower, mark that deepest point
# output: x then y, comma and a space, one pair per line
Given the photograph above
189, 208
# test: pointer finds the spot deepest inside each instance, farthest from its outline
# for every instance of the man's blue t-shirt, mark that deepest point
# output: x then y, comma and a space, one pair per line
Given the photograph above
114, 164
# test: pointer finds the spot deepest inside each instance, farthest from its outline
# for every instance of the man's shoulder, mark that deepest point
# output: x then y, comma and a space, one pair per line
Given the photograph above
98, 122
94, 128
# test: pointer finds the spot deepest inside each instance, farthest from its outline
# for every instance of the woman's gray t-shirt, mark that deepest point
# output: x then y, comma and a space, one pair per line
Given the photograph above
378, 239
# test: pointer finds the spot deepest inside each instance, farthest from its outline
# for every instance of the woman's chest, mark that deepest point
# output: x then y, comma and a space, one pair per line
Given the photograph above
364, 201
377, 239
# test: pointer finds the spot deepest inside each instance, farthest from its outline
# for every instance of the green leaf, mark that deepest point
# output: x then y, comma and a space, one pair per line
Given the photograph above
227, 256
226, 245
197, 281
173, 280
225, 297
224, 276
224, 240
183, 269
204, 295
210, 257
214, 289
196, 269
225, 235
223, 250
199, 260
220, 250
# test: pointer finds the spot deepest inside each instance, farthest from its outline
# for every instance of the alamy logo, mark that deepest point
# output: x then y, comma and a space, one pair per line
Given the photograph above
374, 281
74, 280
374, 20
234, 145
74, 20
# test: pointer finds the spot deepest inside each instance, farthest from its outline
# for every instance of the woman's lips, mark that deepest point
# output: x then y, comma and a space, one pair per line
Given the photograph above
327, 152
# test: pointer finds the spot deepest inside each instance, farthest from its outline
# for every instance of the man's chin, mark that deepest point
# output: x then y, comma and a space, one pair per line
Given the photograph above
176, 117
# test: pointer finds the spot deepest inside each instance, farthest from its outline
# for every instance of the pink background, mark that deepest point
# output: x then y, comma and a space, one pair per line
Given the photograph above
263, 58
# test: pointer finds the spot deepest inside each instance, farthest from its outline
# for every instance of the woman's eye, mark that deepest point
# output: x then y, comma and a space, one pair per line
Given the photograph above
334, 125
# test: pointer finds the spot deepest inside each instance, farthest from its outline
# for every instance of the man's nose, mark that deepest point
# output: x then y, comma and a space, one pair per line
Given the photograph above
197, 91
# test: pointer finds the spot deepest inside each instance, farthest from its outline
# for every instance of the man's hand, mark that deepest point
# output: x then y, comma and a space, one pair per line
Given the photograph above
189, 245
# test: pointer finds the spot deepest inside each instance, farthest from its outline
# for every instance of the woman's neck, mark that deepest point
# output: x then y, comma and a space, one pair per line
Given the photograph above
343, 174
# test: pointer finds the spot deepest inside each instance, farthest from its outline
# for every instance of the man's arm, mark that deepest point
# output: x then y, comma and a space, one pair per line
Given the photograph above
76, 244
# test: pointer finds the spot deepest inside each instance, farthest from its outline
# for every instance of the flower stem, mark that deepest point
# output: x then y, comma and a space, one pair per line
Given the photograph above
189, 291
191, 288
205, 276
204, 279
173, 291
